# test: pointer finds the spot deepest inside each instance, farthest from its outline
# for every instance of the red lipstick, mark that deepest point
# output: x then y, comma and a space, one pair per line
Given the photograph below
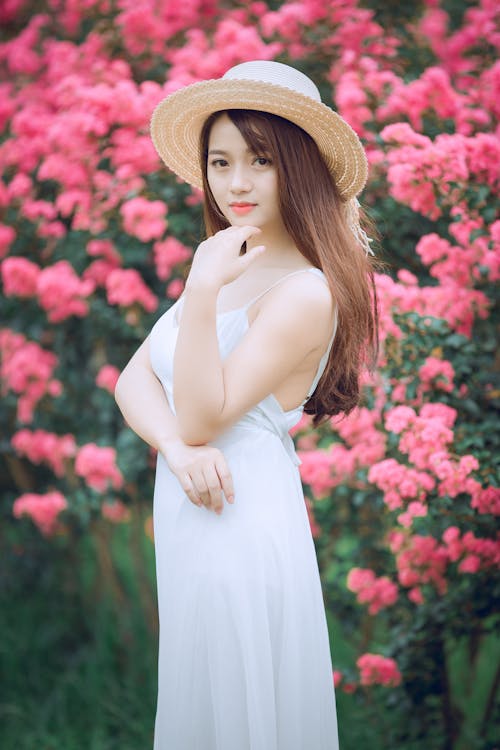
242, 208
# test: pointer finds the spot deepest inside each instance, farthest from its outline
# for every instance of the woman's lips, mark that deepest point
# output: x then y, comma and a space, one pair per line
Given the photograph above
242, 208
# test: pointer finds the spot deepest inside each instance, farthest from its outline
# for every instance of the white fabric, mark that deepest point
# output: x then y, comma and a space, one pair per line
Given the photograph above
270, 71
244, 656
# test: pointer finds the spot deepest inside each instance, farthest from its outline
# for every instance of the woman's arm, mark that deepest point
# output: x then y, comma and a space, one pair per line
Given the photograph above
142, 401
211, 394
201, 470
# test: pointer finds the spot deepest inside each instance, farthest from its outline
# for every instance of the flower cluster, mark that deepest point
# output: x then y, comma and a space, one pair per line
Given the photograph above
378, 670
86, 211
40, 446
126, 288
97, 465
42, 509
168, 254
420, 560
26, 369
107, 378
400, 482
115, 511
377, 592
58, 289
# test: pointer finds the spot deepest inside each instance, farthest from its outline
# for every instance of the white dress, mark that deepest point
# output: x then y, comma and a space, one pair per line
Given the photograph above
244, 656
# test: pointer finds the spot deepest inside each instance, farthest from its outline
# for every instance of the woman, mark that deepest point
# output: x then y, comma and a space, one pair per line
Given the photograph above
276, 318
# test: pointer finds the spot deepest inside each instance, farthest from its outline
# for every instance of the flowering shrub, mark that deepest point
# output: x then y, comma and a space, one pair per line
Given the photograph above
95, 241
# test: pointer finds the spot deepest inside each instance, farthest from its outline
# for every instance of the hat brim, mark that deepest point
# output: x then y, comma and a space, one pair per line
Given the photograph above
177, 122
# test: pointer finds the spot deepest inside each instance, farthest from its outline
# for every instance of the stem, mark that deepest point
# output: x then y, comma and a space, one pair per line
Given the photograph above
107, 572
22, 476
137, 535
490, 703
450, 729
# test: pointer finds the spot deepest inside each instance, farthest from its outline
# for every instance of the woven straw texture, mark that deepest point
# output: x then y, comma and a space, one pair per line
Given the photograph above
177, 122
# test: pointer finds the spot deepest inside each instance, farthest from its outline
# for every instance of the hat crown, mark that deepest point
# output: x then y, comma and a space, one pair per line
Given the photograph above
279, 74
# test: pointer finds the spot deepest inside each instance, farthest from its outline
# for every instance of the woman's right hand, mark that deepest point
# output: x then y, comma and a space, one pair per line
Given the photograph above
202, 471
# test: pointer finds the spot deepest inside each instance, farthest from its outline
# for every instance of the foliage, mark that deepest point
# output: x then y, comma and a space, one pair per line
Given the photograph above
95, 241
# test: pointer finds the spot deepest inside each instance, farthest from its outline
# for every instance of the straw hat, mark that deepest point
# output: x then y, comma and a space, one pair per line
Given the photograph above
269, 87
272, 87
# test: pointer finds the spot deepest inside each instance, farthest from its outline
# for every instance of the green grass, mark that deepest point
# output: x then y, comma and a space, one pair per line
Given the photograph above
78, 651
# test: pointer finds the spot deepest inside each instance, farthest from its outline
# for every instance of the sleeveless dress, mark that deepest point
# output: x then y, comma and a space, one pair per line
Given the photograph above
244, 656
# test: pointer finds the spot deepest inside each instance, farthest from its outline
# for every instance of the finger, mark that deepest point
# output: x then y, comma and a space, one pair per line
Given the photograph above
246, 231
214, 488
225, 478
201, 488
252, 254
187, 486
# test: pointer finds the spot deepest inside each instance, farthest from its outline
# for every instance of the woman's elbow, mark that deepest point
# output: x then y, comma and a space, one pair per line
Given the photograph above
192, 429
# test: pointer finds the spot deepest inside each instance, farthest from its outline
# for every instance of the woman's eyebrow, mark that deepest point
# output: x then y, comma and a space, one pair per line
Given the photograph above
221, 152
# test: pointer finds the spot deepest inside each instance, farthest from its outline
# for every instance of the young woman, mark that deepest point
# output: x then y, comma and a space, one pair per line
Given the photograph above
276, 318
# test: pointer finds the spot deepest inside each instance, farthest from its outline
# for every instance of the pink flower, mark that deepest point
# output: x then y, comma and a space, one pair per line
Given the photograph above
26, 369
21, 186
401, 482
437, 373
455, 476
175, 288
19, 277
315, 470
41, 446
444, 413
104, 249
168, 254
432, 247
98, 271
402, 132
125, 288
454, 546
487, 500
414, 509
337, 677
421, 559
378, 592
378, 670
470, 564
115, 511
42, 509
62, 293
399, 418
97, 465
144, 219
415, 595
7, 237
107, 378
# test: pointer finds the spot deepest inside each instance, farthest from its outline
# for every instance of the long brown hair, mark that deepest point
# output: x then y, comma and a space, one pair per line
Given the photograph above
312, 213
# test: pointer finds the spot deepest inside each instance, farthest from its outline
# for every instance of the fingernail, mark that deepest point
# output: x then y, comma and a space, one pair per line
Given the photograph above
230, 499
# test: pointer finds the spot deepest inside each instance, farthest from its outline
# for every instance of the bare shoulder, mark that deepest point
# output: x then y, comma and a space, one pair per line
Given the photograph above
304, 302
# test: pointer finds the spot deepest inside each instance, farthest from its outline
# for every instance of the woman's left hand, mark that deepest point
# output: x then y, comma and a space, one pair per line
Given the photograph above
217, 260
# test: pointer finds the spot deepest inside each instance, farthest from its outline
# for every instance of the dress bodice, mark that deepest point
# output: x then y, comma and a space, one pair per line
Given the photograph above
231, 326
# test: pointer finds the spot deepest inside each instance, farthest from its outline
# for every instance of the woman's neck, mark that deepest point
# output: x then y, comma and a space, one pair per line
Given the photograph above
281, 251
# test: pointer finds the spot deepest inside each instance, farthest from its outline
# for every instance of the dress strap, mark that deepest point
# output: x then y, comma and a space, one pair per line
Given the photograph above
286, 276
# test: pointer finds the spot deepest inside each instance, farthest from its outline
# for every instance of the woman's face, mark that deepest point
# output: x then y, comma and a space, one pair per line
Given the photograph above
244, 184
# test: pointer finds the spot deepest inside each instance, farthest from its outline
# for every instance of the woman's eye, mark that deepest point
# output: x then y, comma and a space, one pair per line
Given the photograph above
262, 161
218, 163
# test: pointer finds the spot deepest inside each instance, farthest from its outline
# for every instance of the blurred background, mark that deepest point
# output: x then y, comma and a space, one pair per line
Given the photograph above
96, 237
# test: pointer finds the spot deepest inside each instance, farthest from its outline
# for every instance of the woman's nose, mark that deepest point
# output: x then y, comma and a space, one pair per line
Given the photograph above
240, 181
